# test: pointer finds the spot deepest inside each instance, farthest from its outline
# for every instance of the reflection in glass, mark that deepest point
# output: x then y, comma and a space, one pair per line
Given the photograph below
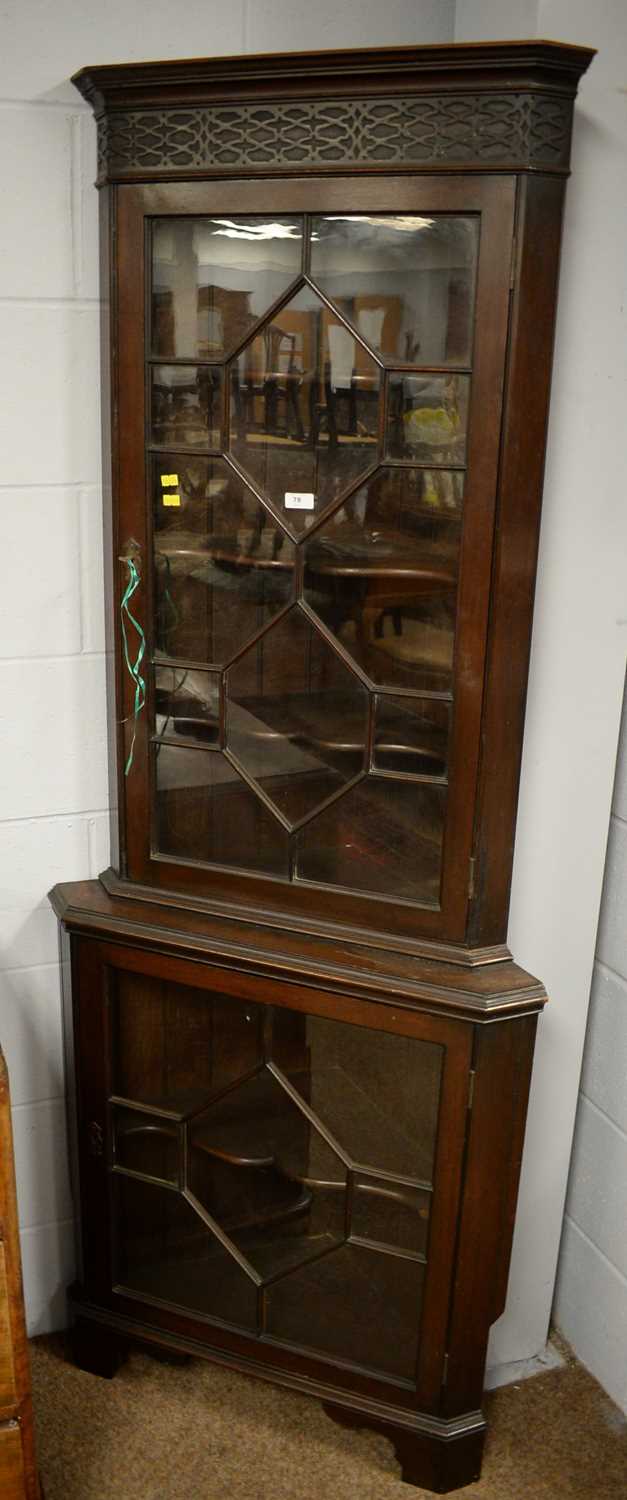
382, 836
175, 1046
297, 718
144, 1143
212, 279
378, 1098
303, 1136
411, 735
390, 1213
355, 1303
185, 406
268, 1176
187, 703
304, 408
427, 419
205, 811
382, 575
164, 1250
405, 282
222, 564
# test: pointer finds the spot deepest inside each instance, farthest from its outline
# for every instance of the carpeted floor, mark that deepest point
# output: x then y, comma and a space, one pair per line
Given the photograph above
159, 1432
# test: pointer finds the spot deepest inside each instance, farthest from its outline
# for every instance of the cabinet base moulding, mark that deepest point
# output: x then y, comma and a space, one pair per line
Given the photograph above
434, 1454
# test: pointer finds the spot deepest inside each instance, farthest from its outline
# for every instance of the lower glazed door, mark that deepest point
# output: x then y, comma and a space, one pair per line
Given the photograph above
279, 1165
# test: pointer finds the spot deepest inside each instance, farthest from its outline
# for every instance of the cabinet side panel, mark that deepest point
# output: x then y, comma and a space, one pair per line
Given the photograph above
503, 1058
540, 206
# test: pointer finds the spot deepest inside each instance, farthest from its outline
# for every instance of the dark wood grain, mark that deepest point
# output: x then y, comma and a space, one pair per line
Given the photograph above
525, 423
494, 1151
481, 991
441, 1465
109, 410
18, 1472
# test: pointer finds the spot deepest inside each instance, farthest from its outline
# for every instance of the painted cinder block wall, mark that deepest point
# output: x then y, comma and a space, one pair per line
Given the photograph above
591, 1293
571, 732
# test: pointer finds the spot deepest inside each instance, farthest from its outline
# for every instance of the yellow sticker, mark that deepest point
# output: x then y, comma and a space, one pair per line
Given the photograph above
171, 499
169, 479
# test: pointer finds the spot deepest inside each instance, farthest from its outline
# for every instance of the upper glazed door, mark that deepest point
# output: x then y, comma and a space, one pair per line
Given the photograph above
309, 418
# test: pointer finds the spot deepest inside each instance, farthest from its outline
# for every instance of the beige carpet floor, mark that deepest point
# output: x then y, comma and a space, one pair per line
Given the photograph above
198, 1432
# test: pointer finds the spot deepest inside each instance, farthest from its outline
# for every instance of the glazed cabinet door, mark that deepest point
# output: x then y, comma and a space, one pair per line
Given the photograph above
273, 1171
306, 470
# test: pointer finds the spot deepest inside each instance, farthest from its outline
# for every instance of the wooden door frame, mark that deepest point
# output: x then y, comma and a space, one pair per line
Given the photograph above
493, 197
94, 963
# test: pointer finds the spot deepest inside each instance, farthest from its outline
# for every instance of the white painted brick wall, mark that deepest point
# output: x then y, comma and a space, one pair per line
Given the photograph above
53, 789
591, 1291
573, 715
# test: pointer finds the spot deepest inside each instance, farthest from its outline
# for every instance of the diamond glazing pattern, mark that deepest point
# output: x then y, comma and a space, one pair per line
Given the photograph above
518, 130
284, 1176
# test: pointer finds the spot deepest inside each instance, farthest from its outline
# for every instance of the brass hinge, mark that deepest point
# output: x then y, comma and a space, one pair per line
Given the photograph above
471, 878
471, 1088
445, 1371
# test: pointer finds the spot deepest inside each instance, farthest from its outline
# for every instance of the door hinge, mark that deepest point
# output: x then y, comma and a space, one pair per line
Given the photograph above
471, 1088
445, 1371
471, 877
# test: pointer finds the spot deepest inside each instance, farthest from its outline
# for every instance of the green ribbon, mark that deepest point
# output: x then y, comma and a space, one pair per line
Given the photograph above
133, 667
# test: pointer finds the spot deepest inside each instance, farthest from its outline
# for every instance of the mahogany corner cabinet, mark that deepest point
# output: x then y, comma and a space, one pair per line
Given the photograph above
298, 1047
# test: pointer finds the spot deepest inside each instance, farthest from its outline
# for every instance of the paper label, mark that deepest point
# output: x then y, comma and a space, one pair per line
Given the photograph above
169, 479
171, 499
298, 500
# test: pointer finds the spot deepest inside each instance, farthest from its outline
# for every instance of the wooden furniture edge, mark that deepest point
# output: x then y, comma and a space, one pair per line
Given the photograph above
20, 1413
445, 1429
489, 107
85, 909
120, 82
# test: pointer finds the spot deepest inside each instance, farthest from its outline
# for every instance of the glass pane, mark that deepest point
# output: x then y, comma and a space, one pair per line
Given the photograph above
304, 409
382, 575
406, 283
164, 1250
382, 836
187, 703
427, 417
297, 718
376, 1094
144, 1143
354, 1303
213, 278
175, 1047
223, 567
411, 735
390, 1213
267, 1176
205, 811
185, 406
